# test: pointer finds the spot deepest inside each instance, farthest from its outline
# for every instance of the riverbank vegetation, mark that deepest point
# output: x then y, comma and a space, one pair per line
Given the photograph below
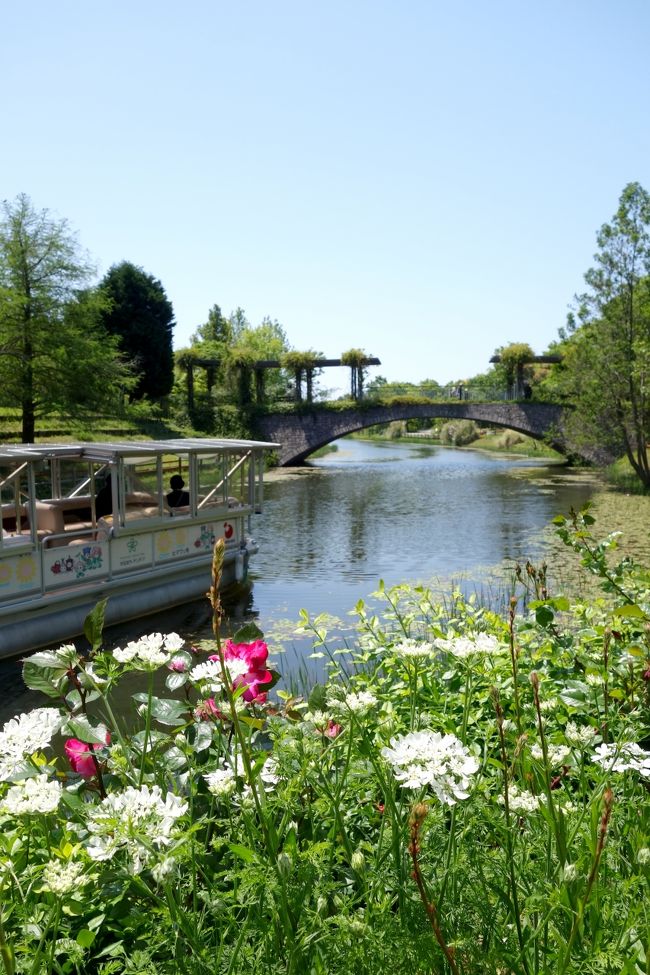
461, 433
465, 793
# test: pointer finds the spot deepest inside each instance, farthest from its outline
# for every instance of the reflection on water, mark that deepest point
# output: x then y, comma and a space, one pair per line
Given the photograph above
392, 511
401, 512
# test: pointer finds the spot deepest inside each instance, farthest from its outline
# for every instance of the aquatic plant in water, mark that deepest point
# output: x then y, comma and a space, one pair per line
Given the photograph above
466, 792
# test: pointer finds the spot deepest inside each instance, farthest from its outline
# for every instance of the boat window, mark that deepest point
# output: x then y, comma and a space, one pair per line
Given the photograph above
141, 488
212, 480
14, 504
178, 484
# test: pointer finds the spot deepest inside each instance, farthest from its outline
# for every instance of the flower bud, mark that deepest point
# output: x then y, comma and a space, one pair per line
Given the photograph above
285, 865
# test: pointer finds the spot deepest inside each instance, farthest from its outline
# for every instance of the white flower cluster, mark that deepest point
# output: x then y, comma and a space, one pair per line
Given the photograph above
578, 737
463, 646
557, 754
357, 702
63, 876
210, 672
620, 758
519, 800
149, 652
427, 758
360, 702
221, 782
414, 649
24, 735
134, 820
37, 795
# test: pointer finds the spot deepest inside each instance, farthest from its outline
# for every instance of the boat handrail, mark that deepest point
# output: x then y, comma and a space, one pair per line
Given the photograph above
76, 537
14, 474
242, 460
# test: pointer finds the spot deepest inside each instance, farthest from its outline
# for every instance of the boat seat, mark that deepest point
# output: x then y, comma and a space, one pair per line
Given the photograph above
9, 517
49, 517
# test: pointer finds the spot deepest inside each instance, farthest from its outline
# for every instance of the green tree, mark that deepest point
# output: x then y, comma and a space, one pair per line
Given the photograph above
141, 316
266, 341
513, 360
54, 353
607, 357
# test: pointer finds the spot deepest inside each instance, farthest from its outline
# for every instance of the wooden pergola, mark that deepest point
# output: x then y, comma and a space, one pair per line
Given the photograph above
260, 366
519, 386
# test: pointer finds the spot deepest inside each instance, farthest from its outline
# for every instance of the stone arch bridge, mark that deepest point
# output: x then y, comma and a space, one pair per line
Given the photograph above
302, 433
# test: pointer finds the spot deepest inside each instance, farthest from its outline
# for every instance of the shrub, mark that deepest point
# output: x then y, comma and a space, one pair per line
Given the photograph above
459, 432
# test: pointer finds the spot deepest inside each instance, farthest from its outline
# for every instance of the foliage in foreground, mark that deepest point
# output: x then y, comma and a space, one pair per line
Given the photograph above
465, 794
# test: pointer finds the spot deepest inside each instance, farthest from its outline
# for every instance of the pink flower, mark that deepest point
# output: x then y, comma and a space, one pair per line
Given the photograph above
177, 665
207, 710
332, 730
254, 655
79, 754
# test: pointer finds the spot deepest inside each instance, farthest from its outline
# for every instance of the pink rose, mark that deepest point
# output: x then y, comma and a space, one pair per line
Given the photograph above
79, 754
254, 655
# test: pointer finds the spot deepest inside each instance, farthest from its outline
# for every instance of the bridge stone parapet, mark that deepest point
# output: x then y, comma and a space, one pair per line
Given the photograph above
302, 433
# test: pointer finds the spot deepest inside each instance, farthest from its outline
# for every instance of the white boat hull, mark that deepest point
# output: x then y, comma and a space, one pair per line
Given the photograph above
61, 617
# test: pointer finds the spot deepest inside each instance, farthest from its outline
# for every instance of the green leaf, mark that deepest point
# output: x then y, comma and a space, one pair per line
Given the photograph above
46, 659
164, 709
318, 698
544, 615
86, 937
248, 634
242, 852
200, 735
630, 609
175, 680
174, 759
94, 624
81, 728
42, 679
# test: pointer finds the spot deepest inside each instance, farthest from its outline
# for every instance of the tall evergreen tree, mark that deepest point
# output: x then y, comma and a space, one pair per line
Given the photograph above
141, 316
54, 354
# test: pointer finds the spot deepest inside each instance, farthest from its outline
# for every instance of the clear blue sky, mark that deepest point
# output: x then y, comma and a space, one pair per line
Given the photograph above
423, 180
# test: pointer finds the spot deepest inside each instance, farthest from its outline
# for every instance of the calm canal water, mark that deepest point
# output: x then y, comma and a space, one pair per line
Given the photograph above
377, 510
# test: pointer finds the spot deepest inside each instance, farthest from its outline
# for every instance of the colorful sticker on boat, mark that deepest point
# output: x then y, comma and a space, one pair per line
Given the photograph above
207, 538
19, 574
172, 543
63, 566
26, 569
192, 540
132, 553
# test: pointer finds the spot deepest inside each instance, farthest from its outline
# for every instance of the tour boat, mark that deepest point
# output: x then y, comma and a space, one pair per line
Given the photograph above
84, 521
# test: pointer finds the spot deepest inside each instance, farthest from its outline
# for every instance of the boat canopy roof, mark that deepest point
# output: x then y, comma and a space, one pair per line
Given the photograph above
110, 451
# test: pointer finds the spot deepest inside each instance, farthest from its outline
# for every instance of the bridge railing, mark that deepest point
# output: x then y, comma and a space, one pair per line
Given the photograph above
452, 393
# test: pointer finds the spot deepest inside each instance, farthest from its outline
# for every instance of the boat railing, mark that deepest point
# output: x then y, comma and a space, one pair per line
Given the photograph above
242, 460
62, 539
